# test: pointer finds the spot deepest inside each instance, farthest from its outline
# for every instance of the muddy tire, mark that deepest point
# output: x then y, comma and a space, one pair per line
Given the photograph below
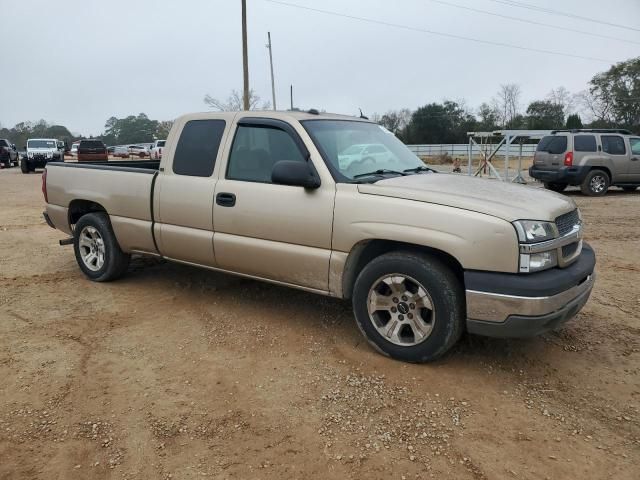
596, 183
97, 251
409, 306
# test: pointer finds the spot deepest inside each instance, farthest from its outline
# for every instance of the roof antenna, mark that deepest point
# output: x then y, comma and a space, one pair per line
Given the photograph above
361, 115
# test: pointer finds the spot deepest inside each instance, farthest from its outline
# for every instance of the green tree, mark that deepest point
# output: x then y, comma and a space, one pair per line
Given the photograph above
614, 95
488, 118
545, 115
447, 122
574, 121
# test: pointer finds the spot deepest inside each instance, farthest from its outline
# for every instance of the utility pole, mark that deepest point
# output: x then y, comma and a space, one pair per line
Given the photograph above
273, 85
291, 96
245, 58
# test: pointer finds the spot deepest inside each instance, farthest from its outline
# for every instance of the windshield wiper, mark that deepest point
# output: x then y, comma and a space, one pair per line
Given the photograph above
380, 171
420, 168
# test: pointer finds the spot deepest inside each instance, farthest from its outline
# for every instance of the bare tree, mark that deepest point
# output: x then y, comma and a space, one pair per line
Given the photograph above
562, 97
395, 120
234, 102
507, 104
595, 107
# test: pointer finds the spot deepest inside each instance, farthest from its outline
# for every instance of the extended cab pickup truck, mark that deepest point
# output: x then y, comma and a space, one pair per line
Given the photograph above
423, 256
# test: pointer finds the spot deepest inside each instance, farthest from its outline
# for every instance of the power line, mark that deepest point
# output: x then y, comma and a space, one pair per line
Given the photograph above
533, 22
442, 34
529, 6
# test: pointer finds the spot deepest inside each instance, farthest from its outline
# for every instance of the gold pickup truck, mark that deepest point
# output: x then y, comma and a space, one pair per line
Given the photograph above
338, 206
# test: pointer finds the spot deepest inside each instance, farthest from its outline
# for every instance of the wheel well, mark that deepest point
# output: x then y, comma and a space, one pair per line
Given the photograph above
364, 252
605, 170
78, 208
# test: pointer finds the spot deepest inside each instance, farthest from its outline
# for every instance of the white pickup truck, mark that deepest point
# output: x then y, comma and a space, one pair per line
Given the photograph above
423, 256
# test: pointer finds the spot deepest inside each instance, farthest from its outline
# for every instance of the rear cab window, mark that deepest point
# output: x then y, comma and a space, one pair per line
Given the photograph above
197, 147
613, 144
584, 143
554, 144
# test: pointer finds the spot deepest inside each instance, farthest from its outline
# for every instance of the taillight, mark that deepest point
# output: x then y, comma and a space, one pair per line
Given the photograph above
44, 185
568, 159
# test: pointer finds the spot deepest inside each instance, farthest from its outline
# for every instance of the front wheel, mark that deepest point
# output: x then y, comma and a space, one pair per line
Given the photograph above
97, 251
409, 306
24, 165
555, 187
596, 183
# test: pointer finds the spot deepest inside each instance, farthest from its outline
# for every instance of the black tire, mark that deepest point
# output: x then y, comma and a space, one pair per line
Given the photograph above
115, 262
555, 187
596, 183
446, 294
630, 188
24, 165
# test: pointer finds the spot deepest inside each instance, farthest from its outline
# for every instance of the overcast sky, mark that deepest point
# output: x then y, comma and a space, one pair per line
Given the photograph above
78, 62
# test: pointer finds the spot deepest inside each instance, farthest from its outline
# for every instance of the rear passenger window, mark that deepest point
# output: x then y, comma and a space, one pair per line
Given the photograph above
255, 151
584, 143
553, 144
613, 144
635, 145
197, 148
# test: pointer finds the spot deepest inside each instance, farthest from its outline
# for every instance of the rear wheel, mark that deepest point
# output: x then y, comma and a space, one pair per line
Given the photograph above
409, 306
97, 251
596, 183
630, 188
555, 187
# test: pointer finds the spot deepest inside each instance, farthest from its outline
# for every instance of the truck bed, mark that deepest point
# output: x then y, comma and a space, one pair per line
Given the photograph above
122, 188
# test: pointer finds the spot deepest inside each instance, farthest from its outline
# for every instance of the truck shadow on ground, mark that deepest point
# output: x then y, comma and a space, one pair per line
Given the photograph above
295, 309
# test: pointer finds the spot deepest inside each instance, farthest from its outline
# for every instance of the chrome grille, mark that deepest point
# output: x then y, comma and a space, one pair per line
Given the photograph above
567, 221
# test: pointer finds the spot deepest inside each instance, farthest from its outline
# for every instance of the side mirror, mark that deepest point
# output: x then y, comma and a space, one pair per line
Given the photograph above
294, 173
13, 145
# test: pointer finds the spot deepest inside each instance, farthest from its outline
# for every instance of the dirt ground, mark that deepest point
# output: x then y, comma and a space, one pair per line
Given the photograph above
175, 372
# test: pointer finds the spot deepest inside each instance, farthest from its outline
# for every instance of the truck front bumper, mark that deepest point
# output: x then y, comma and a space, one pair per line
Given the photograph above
517, 305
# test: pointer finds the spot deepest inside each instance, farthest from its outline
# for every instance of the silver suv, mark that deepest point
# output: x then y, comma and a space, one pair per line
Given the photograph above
592, 159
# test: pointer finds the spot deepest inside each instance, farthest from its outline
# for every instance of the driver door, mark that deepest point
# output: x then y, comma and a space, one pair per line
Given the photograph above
275, 232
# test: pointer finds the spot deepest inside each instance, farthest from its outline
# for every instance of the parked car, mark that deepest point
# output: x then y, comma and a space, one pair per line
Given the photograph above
74, 149
8, 154
110, 150
138, 150
592, 159
156, 149
359, 158
121, 151
422, 256
92, 150
40, 151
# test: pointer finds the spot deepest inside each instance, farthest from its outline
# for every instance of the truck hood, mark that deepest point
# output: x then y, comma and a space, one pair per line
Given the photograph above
508, 201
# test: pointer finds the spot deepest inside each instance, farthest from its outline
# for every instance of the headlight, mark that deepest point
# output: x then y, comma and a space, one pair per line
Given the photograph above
49, 154
30, 154
533, 231
534, 262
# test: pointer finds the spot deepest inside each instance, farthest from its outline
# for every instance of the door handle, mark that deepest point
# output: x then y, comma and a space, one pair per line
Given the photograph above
634, 159
225, 199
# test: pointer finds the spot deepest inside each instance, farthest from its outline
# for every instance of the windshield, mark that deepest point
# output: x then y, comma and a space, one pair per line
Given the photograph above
353, 148
41, 144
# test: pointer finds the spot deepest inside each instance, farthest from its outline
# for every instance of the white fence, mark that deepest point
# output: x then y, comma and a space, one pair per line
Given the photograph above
462, 150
